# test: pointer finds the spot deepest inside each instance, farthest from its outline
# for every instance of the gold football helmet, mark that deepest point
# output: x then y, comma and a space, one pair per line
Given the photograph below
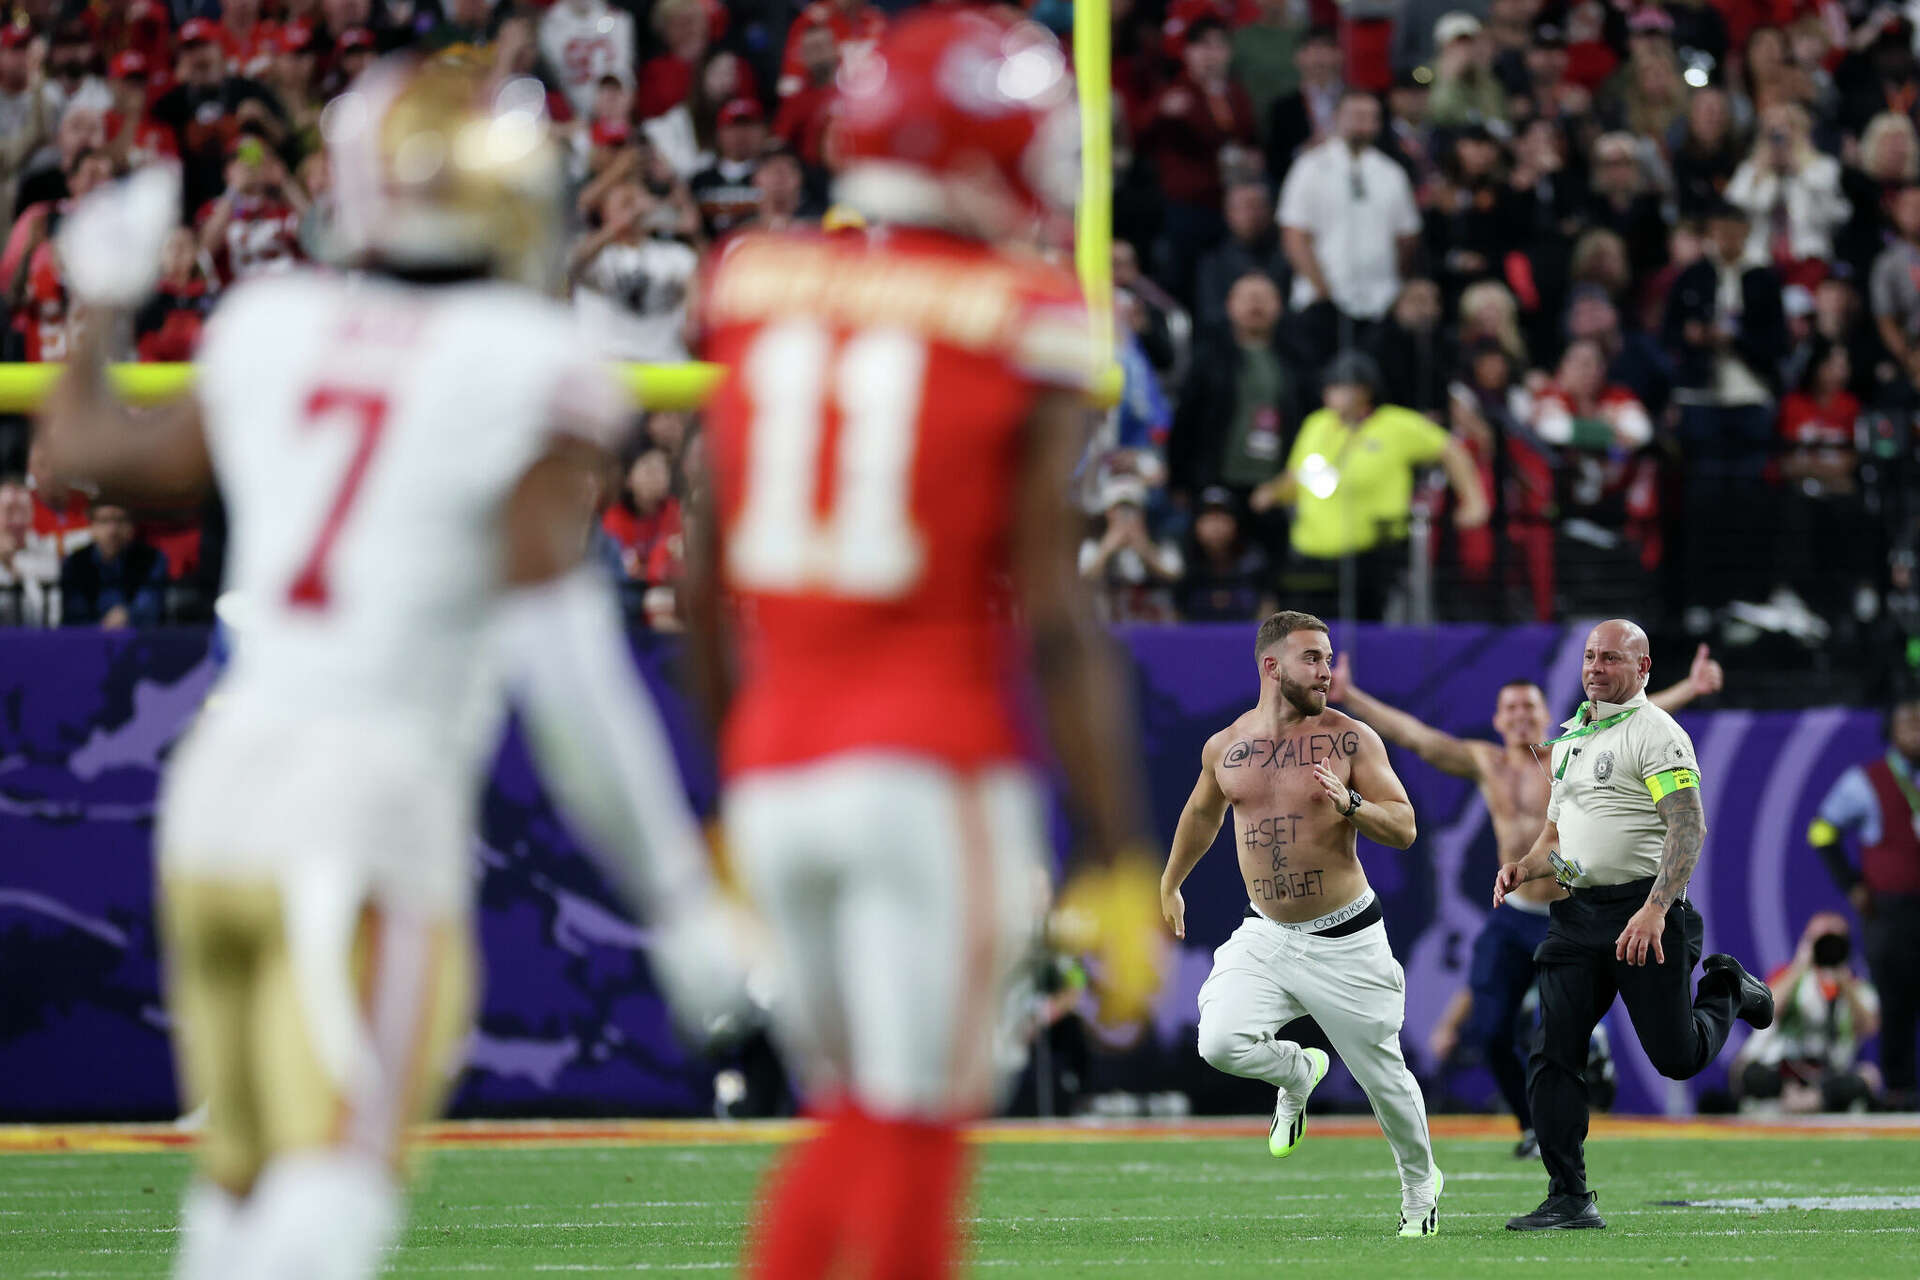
437, 166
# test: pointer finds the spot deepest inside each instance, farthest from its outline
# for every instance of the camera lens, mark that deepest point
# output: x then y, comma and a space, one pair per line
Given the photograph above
1830, 950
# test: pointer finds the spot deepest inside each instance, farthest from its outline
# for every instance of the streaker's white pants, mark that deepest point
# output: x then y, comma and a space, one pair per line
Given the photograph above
1265, 976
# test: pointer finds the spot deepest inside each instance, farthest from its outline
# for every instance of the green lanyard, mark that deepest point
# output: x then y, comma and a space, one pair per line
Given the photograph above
1608, 723
1903, 779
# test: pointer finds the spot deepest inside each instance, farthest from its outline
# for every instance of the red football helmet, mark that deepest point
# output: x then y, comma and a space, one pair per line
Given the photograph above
957, 118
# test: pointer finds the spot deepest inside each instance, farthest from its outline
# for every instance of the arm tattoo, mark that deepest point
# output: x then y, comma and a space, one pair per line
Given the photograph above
1686, 831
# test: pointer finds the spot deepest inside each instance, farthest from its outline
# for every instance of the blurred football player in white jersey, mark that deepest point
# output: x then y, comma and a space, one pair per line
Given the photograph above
407, 453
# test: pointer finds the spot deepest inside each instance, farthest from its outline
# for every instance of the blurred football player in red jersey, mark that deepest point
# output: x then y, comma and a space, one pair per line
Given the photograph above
891, 448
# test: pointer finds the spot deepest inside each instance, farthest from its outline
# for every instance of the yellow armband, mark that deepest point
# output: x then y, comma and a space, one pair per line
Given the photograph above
1822, 833
1668, 781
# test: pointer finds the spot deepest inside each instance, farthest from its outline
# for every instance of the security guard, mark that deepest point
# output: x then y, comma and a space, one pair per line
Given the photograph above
1624, 831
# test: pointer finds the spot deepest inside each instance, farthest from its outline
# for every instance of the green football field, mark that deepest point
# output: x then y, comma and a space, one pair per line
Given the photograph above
1058, 1202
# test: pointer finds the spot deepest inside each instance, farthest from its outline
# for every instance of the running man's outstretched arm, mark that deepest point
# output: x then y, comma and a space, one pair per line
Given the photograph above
1703, 678
1441, 750
1199, 823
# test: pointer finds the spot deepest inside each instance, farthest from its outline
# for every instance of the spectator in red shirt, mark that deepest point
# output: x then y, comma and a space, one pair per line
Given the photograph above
1817, 423
609, 121
1826, 538
801, 122
352, 51
168, 326
29, 273
855, 25
58, 511
667, 78
340, 16
250, 44
143, 27
40, 313
1202, 125
134, 138
646, 519
255, 225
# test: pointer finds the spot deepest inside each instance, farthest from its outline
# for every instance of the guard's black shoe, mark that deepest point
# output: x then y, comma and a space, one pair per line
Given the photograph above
1756, 998
1560, 1213
1528, 1148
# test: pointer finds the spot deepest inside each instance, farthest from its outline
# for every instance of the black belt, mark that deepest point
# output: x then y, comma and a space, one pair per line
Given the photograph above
1607, 894
1371, 915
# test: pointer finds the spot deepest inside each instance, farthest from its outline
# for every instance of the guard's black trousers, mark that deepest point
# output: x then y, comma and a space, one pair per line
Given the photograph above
1579, 977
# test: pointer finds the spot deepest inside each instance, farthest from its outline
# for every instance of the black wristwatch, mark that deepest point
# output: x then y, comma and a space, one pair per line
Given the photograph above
1353, 803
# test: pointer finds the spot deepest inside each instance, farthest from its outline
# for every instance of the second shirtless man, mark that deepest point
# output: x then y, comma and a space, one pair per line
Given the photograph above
1302, 780
1486, 1012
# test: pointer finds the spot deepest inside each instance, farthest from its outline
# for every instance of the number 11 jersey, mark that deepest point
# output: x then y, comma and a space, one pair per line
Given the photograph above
866, 444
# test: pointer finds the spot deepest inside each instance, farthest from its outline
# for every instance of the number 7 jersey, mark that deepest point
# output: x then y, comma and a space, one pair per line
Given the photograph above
867, 441
365, 435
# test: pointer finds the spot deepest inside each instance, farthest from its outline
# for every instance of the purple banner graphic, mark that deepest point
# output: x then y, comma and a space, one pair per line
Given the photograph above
570, 1022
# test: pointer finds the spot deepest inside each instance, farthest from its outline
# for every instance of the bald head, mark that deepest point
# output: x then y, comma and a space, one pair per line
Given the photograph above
1616, 663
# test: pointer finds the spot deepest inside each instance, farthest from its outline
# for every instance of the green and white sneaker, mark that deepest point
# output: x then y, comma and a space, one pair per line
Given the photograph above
1424, 1220
1290, 1111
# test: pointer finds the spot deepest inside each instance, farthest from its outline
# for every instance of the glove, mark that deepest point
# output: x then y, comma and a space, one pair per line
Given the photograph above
1112, 914
110, 244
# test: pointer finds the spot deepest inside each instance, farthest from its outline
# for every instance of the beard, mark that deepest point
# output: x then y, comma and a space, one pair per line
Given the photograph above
1307, 701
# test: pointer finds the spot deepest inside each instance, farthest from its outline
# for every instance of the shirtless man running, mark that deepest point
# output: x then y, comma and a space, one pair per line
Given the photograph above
1484, 1013
1302, 780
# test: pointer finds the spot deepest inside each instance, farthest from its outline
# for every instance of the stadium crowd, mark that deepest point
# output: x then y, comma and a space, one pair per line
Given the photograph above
1484, 309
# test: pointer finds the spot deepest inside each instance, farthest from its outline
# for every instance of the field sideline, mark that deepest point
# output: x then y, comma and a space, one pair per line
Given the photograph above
1145, 1199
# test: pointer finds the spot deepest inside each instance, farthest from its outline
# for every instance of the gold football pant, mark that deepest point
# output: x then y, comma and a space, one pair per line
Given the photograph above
245, 1046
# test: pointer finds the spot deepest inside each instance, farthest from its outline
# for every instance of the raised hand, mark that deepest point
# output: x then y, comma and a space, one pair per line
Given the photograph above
1705, 675
1342, 683
1330, 783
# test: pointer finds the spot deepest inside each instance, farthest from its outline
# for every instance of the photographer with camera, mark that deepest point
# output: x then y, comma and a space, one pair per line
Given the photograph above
1807, 1058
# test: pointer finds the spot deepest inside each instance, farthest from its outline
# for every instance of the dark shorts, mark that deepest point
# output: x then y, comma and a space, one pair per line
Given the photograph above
1501, 971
